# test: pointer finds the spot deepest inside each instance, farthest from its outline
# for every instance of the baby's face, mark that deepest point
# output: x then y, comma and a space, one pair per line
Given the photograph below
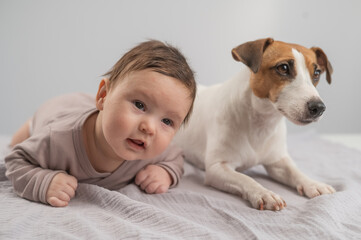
142, 113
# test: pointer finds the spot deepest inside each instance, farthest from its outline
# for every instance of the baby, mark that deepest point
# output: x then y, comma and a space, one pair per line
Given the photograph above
122, 135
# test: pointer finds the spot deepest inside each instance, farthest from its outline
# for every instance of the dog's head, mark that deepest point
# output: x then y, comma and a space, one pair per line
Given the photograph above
287, 75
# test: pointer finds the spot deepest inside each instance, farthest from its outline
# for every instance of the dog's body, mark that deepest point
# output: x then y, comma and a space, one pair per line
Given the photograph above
240, 123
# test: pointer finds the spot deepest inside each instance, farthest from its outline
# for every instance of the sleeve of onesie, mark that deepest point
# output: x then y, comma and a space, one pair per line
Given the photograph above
26, 168
172, 160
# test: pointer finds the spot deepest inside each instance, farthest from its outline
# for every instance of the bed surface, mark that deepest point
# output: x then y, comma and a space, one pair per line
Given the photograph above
195, 211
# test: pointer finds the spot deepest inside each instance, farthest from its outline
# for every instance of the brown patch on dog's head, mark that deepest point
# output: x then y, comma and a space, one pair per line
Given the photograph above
322, 60
273, 65
251, 53
316, 63
276, 71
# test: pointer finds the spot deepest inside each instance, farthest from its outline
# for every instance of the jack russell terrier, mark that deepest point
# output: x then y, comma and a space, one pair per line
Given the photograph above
240, 123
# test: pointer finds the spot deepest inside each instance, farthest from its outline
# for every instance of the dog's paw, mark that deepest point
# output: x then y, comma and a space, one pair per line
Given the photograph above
266, 200
313, 189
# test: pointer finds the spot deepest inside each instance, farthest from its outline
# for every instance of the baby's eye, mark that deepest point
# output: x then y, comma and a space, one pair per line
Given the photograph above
139, 105
167, 121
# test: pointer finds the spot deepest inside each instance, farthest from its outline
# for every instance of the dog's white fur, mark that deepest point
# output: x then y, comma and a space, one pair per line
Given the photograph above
232, 128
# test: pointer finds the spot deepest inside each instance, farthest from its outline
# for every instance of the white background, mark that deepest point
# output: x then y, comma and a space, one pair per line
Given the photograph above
49, 47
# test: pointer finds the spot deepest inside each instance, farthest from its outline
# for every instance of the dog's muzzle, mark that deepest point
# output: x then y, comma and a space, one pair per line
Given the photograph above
315, 109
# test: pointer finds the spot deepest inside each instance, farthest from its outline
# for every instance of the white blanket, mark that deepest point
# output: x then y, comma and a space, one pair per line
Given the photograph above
195, 211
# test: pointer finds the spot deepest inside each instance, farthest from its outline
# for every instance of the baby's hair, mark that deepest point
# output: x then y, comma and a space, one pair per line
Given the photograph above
159, 57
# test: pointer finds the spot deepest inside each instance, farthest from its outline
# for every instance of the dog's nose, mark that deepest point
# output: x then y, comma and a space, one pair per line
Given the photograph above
316, 108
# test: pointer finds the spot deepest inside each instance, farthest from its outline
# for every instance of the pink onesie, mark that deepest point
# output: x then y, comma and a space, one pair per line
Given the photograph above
56, 145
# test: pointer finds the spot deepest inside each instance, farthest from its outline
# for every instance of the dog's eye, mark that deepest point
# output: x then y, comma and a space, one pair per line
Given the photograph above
283, 69
316, 75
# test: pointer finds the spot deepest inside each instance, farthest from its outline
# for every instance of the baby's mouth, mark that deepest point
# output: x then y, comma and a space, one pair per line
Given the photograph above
137, 143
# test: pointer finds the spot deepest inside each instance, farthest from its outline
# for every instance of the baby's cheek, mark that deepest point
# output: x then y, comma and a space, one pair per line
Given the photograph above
162, 143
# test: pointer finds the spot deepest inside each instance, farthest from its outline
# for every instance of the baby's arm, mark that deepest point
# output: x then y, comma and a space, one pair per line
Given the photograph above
29, 180
61, 189
27, 167
153, 179
163, 172
38, 184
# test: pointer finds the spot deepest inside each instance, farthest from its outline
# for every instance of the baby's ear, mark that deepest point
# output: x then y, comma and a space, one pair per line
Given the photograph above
102, 93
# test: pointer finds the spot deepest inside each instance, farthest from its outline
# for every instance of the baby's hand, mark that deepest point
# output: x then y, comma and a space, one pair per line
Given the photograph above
153, 179
61, 189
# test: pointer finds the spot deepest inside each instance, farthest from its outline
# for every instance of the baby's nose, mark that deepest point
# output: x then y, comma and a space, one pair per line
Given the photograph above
147, 127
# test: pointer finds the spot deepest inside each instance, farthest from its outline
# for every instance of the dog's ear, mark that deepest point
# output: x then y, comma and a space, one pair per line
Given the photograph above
250, 53
322, 60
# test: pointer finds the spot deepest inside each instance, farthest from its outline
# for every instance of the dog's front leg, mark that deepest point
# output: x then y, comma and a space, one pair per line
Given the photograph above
223, 177
285, 171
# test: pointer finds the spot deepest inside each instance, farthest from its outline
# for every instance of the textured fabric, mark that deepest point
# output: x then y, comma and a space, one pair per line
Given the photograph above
57, 144
195, 211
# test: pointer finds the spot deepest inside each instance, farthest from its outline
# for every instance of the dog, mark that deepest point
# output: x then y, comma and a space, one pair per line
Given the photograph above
241, 123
